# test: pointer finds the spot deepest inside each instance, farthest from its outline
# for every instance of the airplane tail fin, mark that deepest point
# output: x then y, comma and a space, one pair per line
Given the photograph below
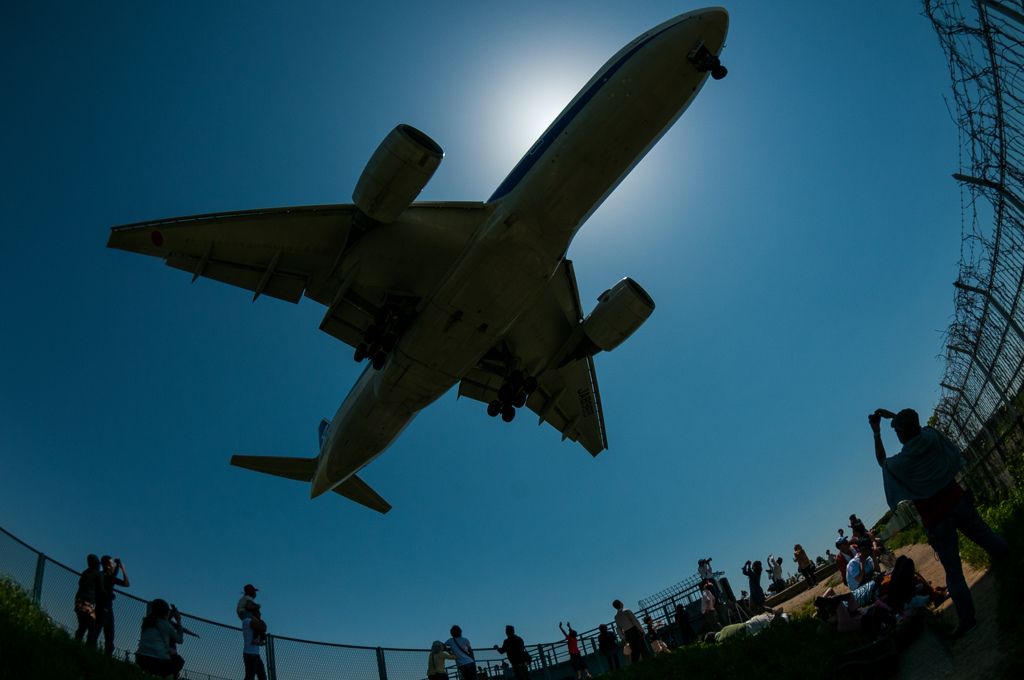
303, 470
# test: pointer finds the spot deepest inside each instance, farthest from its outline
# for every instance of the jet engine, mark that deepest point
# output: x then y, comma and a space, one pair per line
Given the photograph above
396, 173
619, 312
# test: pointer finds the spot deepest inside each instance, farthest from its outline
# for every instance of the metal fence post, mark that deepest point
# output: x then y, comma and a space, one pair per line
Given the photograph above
271, 665
381, 667
37, 586
597, 656
543, 661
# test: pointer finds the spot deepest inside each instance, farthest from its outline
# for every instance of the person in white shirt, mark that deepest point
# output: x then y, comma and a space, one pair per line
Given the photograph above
861, 568
463, 652
631, 631
707, 608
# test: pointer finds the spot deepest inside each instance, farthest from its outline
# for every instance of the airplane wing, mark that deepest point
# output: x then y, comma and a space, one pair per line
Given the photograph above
322, 252
543, 340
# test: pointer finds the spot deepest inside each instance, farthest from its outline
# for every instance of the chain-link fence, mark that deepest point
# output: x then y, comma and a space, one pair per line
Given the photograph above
214, 650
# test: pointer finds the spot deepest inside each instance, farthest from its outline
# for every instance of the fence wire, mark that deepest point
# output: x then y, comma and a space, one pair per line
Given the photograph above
214, 652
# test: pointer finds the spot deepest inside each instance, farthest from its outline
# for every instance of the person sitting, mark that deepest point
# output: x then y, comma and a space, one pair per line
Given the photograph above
843, 557
861, 568
158, 637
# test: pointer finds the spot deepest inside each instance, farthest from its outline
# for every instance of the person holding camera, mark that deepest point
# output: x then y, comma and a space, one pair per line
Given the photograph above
924, 472
105, 598
161, 631
753, 573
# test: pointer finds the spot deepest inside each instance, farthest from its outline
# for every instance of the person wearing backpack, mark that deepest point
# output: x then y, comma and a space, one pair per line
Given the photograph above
515, 649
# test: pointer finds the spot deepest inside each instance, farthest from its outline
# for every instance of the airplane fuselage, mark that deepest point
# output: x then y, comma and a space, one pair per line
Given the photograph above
533, 215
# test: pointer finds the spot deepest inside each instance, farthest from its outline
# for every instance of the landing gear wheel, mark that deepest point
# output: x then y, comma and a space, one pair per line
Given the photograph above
520, 400
361, 352
515, 379
530, 385
389, 342
506, 393
508, 412
719, 72
494, 408
378, 360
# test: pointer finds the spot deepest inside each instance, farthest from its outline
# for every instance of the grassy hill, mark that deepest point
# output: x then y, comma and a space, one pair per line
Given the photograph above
32, 648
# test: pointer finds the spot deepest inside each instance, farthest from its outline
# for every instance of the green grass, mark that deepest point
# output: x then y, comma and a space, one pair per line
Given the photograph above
909, 536
32, 648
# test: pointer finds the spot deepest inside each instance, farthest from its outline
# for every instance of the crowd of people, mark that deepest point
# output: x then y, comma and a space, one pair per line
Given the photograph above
162, 630
923, 472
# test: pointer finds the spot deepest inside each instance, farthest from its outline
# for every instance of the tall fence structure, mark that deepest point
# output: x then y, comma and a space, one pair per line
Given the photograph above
981, 403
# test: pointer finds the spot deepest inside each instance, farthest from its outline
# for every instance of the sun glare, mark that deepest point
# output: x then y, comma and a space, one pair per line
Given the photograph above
525, 98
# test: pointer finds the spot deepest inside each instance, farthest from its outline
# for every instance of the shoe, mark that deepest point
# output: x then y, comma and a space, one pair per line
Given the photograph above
963, 629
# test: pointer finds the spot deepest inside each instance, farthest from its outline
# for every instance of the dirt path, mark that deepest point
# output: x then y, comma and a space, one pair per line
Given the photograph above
931, 657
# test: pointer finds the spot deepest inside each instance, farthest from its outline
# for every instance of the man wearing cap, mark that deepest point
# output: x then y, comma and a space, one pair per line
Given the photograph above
248, 609
924, 471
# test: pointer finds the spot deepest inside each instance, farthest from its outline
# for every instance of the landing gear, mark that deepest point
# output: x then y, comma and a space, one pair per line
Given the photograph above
704, 61
512, 395
379, 339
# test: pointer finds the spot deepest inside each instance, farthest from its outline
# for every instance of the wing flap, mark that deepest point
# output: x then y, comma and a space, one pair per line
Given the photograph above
567, 396
280, 285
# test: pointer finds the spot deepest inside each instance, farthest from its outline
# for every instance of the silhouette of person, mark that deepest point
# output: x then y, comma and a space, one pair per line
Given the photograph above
924, 471
105, 598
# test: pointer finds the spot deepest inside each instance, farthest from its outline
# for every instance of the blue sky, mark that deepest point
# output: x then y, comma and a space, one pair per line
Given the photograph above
798, 228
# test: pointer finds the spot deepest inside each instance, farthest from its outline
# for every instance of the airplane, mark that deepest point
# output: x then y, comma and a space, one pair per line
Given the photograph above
475, 294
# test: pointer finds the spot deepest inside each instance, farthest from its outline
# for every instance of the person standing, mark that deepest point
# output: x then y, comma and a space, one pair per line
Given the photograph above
775, 564
707, 608
85, 600
576, 659
753, 574
608, 645
631, 631
685, 629
804, 564
463, 652
105, 598
435, 663
515, 649
254, 668
924, 471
